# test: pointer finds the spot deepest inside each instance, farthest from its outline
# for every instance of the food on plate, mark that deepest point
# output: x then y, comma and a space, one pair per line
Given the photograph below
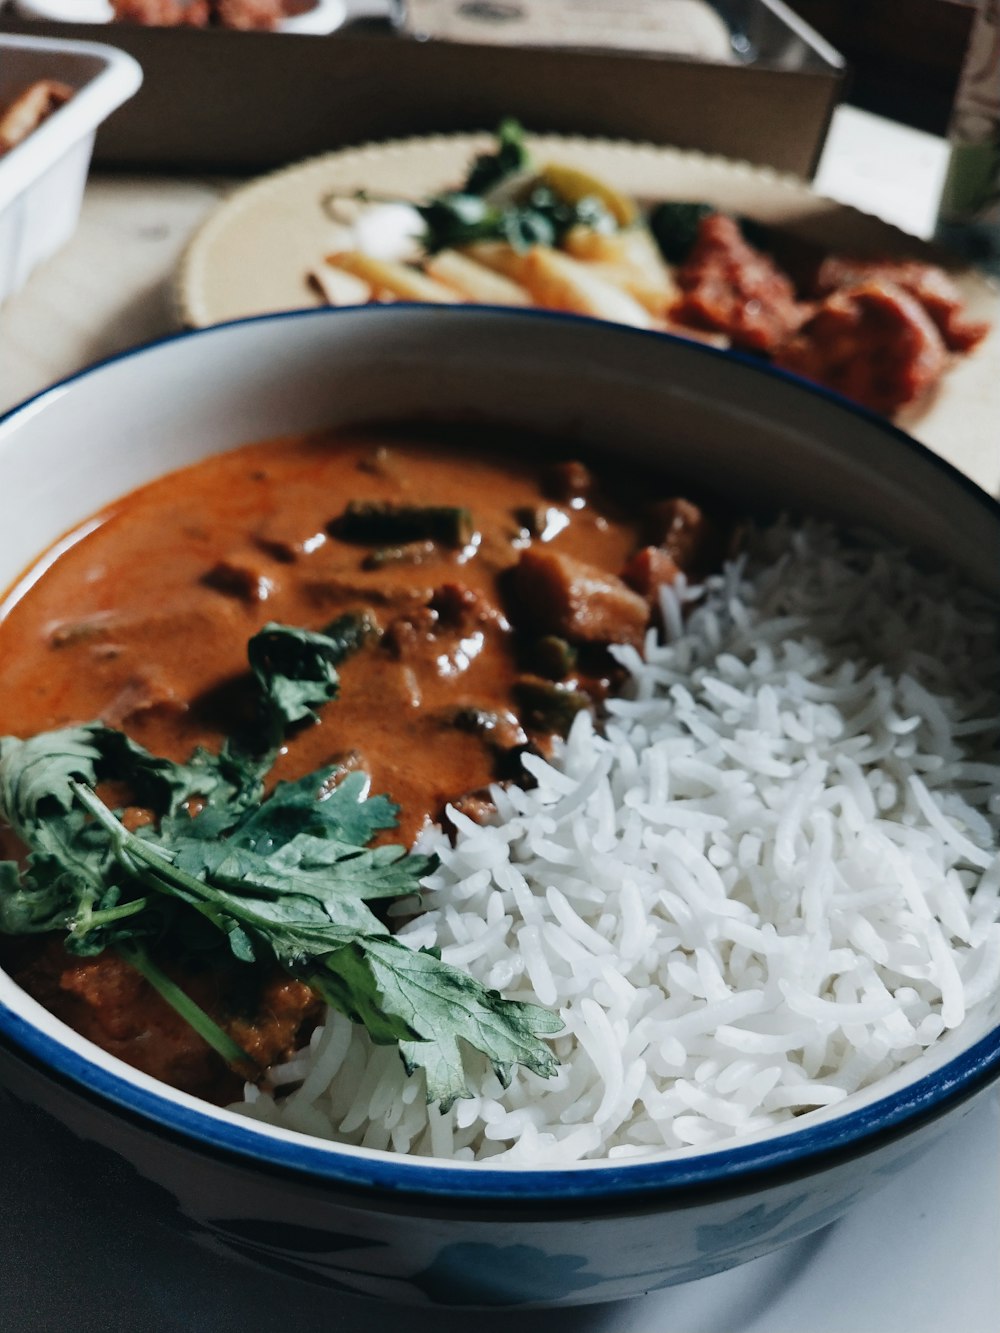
396, 281
730, 287
23, 115
246, 15
678, 829
474, 281
882, 331
873, 342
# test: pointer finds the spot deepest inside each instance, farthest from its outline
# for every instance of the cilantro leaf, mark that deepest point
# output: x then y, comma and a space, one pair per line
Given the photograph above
315, 924
283, 878
315, 806
511, 156
295, 669
36, 773
493, 204
443, 1004
540, 217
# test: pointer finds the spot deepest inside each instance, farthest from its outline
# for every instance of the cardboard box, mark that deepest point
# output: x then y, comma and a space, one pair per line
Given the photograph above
242, 101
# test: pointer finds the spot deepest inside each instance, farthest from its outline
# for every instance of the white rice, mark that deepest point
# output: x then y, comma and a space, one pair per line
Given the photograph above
773, 880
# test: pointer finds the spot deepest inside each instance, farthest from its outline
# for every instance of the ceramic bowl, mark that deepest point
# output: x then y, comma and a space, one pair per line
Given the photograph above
417, 1230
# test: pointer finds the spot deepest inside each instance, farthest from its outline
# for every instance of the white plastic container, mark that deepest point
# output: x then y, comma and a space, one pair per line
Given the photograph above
42, 179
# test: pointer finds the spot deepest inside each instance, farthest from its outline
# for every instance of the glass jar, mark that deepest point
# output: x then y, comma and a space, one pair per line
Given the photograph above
969, 212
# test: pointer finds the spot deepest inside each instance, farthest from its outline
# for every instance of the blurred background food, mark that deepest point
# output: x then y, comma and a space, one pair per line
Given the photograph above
750, 80
303, 16
22, 114
523, 229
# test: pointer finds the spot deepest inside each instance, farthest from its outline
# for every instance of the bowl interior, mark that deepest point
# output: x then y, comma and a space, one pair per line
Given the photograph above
713, 420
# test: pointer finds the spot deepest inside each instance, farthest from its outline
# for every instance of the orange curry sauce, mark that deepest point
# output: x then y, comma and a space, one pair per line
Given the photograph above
143, 624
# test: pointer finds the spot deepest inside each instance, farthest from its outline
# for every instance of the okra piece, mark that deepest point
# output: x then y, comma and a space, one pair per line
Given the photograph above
382, 523
351, 631
553, 658
548, 706
412, 553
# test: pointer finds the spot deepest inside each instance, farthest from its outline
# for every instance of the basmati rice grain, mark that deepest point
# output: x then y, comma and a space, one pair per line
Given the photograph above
773, 880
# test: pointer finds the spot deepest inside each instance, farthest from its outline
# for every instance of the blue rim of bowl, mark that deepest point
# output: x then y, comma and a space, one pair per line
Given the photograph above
930, 1096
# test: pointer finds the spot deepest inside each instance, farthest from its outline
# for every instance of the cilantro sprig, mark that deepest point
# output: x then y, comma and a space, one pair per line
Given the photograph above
281, 879
484, 210
501, 200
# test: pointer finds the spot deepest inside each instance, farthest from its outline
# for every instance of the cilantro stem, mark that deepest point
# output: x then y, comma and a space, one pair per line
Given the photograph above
308, 912
147, 863
108, 915
184, 1006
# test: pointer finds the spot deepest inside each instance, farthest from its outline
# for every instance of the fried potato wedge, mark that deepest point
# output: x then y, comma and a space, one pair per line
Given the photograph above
500, 257
398, 280
656, 297
474, 281
601, 247
559, 282
29, 109
338, 287
629, 259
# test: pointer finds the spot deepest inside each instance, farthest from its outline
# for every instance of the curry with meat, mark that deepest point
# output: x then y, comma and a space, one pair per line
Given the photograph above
488, 589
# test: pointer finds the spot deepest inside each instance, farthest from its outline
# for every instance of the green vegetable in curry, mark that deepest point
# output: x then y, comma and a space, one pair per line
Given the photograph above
382, 522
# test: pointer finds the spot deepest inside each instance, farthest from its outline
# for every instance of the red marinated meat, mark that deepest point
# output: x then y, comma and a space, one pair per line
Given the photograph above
927, 283
731, 288
874, 342
244, 14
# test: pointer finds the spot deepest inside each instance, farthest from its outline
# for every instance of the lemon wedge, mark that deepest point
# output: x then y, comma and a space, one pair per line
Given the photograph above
572, 184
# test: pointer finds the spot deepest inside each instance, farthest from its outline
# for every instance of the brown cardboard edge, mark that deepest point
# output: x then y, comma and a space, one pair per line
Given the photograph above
246, 102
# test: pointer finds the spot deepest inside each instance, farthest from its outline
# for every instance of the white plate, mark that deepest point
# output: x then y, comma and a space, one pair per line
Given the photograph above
253, 254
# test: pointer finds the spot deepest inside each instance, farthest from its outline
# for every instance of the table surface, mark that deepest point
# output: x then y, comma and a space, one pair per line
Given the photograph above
923, 1249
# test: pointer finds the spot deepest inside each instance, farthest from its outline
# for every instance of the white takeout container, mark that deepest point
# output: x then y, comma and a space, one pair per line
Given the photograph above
42, 179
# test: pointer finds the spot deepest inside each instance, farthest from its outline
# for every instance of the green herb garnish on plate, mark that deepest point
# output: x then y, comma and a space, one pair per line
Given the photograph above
504, 198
